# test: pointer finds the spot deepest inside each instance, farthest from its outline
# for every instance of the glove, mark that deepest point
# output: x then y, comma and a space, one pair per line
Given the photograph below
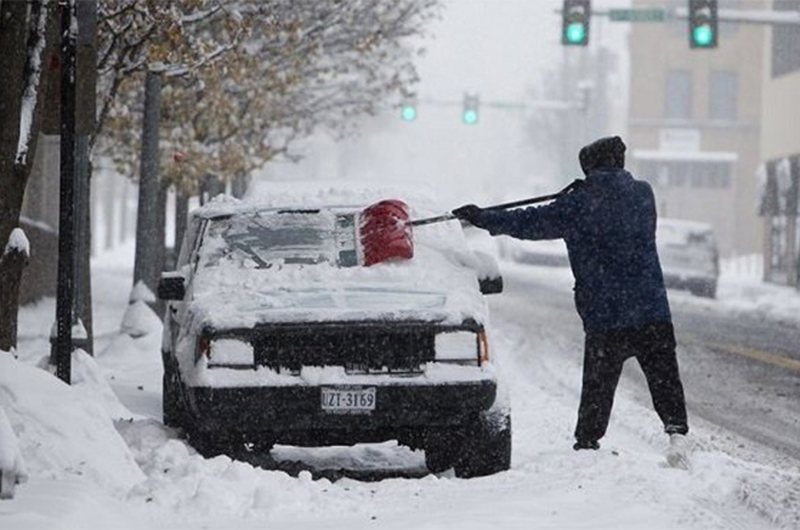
469, 213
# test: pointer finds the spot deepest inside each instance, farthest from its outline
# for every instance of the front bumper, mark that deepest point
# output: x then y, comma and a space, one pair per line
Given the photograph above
293, 414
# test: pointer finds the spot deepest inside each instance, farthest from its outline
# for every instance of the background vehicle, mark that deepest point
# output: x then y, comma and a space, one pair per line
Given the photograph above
276, 334
687, 250
547, 252
689, 256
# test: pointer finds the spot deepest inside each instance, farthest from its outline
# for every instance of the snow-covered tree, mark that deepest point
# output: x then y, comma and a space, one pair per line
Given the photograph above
246, 78
25, 33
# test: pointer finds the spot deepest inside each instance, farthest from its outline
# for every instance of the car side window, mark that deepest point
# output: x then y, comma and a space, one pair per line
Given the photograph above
198, 238
187, 245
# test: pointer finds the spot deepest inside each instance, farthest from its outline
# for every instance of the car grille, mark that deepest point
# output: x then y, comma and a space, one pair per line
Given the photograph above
357, 348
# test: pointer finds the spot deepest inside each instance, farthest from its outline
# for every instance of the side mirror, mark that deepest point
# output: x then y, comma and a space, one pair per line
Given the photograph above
491, 285
490, 280
172, 286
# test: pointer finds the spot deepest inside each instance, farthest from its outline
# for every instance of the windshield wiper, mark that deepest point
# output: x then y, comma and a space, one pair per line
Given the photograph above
260, 263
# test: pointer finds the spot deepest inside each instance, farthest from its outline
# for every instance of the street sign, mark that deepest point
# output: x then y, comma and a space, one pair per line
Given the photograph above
637, 15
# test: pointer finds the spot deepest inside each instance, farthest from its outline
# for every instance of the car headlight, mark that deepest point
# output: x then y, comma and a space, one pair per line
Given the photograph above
230, 353
462, 347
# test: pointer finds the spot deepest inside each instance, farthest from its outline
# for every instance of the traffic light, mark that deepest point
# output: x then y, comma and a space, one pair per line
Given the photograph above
575, 17
703, 23
469, 114
408, 109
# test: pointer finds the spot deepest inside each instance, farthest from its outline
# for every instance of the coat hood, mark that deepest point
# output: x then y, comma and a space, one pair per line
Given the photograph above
605, 153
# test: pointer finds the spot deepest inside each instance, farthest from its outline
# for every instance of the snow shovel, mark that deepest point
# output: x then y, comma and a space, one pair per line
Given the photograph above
385, 228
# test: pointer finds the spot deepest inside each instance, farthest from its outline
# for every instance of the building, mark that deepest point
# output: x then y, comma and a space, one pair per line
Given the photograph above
694, 124
780, 148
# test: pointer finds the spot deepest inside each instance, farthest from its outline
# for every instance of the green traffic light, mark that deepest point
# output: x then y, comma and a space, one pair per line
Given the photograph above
703, 36
576, 33
409, 113
470, 116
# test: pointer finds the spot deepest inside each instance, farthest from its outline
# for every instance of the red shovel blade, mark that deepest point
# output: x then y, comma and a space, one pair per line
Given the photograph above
384, 232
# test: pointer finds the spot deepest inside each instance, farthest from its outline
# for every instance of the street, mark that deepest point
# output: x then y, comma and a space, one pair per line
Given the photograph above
740, 372
735, 482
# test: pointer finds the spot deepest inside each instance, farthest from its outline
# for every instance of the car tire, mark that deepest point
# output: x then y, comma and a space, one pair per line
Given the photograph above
442, 449
486, 448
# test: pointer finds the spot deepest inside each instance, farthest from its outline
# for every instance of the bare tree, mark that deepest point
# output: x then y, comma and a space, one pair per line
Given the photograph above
25, 34
290, 67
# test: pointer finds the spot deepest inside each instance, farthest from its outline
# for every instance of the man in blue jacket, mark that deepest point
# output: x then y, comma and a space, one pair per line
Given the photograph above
608, 222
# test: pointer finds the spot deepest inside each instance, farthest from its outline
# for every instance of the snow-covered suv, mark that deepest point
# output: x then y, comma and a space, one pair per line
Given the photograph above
274, 333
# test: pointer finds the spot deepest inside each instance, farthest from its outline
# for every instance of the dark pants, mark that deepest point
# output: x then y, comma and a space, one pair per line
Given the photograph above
654, 347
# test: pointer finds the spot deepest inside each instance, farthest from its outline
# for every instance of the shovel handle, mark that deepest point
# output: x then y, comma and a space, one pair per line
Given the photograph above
534, 200
431, 220
503, 206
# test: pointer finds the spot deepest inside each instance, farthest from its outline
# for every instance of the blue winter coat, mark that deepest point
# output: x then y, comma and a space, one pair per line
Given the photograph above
609, 226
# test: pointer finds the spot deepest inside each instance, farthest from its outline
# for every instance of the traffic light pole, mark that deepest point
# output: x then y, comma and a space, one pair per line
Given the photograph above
657, 14
66, 221
546, 104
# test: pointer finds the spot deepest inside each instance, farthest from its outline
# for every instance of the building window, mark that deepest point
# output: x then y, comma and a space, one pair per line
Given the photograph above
785, 42
722, 97
686, 174
678, 95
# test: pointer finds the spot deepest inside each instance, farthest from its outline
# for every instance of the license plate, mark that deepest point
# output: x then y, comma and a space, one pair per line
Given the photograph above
348, 400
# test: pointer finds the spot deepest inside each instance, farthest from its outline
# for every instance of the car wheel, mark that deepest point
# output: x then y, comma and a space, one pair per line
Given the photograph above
442, 449
486, 448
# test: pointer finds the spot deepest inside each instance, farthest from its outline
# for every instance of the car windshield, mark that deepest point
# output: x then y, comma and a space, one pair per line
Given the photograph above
272, 239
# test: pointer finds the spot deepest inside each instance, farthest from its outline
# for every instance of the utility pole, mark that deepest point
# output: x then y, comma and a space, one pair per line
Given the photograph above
66, 256
86, 85
147, 244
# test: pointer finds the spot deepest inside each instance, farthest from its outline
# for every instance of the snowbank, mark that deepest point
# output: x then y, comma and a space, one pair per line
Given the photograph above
65, 431
18, 242
12, 466
140, 319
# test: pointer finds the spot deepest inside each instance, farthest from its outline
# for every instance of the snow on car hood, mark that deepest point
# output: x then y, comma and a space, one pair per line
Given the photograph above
438, 284
223, 308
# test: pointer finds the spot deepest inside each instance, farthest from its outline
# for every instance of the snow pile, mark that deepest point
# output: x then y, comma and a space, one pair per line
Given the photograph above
139, 319
12, 465
64, 431
747, 295
18, 242
89, 380
187, 485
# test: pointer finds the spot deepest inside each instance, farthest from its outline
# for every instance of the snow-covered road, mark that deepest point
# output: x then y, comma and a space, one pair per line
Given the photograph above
83, 473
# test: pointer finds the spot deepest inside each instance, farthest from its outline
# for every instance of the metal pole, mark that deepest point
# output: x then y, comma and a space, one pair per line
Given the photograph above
146, 218
86, 83
66, 259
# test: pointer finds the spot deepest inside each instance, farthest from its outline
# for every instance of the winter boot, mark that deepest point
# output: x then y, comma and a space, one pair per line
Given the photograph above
586, 444
678, 452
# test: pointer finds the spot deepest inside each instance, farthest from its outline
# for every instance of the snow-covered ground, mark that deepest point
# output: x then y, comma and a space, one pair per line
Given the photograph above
97, 455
